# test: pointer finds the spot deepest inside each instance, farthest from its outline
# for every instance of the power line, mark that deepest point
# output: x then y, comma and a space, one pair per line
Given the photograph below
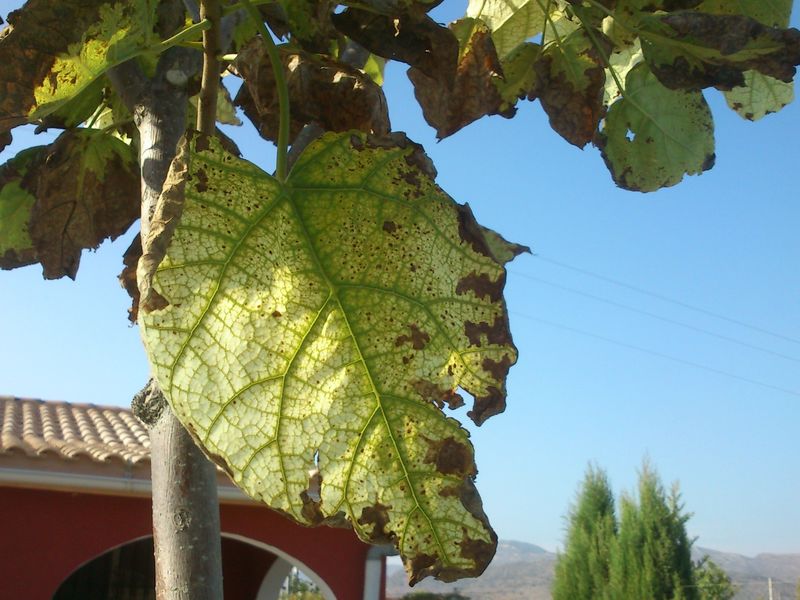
657, 353
656, 316
640, 290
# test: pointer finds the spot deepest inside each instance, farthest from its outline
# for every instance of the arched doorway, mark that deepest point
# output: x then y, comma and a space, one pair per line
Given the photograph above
251, 569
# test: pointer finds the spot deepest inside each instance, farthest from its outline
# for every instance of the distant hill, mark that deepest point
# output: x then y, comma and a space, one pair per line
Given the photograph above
523, 571
519, 571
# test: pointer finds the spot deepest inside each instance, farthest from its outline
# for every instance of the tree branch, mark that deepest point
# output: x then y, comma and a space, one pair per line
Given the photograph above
207, 102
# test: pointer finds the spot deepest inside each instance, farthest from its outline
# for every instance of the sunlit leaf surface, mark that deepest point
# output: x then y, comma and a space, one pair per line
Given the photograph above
310, 334
653, 136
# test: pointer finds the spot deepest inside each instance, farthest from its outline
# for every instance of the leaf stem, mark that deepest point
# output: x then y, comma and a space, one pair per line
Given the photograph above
600, 50
190, 33
282, 89
207, 101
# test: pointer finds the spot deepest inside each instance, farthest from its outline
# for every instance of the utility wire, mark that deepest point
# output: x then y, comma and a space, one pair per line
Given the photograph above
640, 290
656, 353
656, 316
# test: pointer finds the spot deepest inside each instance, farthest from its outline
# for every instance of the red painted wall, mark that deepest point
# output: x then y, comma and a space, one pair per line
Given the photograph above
46, 535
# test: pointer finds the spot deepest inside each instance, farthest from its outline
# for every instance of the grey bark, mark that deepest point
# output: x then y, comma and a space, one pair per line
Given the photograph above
186, 528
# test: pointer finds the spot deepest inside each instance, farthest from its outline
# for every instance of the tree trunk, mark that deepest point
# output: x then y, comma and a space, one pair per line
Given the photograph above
186, 532
186, 529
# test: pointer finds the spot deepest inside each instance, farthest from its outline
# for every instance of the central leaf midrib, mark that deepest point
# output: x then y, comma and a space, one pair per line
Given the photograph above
333, 288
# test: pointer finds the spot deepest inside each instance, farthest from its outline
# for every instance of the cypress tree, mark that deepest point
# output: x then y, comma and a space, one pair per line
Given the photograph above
582, 571
652, 553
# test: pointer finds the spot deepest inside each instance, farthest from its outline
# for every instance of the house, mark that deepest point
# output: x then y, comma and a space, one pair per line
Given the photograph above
76, 522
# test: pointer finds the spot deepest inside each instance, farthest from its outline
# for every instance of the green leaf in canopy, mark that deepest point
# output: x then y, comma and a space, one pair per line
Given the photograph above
310, 333
16, 205
761, 95
519, 76
621, 62
654, 135
511, 21
53, 51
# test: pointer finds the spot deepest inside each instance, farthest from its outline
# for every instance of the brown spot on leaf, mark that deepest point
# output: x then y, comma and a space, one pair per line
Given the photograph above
389, 226
421, 567
484, 407
498, 370
480, 552
202, 180
418, 338
440, 396
470, 232
378, 517
497, 333
450, 457
482, 286
276, 314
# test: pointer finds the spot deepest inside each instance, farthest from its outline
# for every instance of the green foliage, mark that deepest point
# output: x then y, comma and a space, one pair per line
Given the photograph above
652, 554
645, 555
712, 582
323, 324
652, 136
582, 571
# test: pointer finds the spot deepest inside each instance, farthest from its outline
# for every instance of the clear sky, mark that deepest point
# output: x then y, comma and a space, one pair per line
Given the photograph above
664, 325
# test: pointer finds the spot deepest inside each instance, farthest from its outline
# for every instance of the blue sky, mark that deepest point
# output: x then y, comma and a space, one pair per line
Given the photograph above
714, 404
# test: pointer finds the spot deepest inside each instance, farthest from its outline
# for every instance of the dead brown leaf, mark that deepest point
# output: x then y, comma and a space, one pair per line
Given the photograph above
86, 190
418, 41
321, 90
450, 104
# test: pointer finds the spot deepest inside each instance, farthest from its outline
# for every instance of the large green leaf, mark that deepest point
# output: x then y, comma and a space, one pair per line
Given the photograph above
759, 96
53, 51
654, 135
310, 333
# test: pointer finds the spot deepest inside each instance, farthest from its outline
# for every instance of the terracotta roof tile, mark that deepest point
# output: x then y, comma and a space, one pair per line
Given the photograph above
71, 431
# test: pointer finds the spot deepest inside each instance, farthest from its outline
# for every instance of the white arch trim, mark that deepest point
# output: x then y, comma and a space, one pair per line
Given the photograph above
285, 560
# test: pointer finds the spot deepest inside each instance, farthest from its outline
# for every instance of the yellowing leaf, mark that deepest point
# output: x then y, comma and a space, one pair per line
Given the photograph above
53, 51
759, 96
654, 135
16, 205
511, 21
310, 333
